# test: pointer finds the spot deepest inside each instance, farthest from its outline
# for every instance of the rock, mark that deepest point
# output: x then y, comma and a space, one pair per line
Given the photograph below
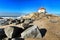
13, 38
22, 20
17, 21
17, 39
0, 39
43, 32
2, 34
2, 22
33, 39
9, 31
13, 31
5, 39
31, 32
28, 21
25, 25
1, 18
13, 21
6, 23
17, 31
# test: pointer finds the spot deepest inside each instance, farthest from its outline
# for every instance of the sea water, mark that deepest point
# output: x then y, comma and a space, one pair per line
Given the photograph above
4, 19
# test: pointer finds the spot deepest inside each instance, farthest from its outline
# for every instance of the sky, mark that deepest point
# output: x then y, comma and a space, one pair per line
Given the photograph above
18, 7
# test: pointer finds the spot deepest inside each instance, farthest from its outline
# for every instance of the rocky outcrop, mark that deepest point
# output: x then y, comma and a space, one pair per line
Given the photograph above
36, 26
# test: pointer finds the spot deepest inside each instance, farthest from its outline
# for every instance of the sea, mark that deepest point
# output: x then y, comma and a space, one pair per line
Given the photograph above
9, 16
3, 20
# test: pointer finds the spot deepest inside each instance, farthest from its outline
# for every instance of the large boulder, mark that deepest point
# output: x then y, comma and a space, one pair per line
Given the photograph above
13, 31
31, 32
2, 34
9, 31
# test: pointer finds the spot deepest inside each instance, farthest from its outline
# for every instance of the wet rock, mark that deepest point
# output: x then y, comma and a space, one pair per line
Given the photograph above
6, 23
10, 21
2, 22
1, 18
13, 31
31, 32
17, 21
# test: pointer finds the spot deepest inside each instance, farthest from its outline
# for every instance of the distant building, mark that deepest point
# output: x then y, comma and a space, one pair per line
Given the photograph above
42, 10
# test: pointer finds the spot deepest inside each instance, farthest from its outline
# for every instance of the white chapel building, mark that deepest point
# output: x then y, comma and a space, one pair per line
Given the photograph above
42, 10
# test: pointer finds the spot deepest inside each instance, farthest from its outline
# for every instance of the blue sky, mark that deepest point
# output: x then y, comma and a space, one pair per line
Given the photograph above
17, 7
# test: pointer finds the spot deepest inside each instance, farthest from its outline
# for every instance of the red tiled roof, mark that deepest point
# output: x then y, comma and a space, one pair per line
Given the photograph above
42, 8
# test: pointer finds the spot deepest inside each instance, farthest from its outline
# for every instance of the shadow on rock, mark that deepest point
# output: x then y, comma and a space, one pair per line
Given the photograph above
43, 32
17, 31
2, 34
13, 31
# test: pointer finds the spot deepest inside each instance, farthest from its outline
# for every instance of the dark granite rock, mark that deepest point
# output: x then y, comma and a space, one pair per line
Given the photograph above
13, 31
2, 34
